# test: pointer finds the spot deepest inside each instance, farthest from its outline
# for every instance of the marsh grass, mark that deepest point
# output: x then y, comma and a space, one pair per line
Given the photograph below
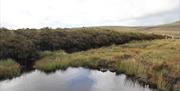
155, 62
25, 44
9, 68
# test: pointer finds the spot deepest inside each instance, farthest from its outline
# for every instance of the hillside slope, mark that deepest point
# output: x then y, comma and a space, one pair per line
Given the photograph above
172, 29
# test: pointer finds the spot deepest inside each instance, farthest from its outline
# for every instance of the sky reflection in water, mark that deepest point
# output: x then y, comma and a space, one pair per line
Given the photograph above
73, 79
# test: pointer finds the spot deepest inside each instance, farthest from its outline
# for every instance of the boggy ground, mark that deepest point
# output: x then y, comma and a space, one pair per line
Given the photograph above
155, 62
9, 68
20, 48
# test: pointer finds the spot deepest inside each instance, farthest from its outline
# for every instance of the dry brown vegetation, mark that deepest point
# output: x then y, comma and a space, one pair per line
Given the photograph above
154, 62
148, 57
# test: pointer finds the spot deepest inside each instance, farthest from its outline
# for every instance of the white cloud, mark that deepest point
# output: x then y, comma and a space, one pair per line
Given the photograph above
74, 13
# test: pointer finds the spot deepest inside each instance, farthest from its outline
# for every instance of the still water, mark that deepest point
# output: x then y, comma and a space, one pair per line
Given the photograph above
72, 79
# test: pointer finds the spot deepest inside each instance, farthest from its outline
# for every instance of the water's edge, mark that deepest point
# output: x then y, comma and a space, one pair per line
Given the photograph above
87, 71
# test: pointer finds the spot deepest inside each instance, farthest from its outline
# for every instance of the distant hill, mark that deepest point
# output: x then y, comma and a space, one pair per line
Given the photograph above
171, 29
171, 26
166, 29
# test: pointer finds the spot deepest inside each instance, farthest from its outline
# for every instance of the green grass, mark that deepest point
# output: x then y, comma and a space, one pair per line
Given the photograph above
71, 40
156, 62
9, 68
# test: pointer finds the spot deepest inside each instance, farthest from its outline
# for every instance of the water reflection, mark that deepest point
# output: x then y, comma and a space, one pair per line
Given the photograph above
73, 79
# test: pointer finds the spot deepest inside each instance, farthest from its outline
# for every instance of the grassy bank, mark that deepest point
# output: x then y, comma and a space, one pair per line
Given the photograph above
25, 44
155, 62
9, 68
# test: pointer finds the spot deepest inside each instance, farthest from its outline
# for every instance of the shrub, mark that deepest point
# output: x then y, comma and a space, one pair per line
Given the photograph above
24, 44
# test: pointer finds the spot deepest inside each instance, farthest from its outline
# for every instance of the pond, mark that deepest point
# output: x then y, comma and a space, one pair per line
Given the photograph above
72, 79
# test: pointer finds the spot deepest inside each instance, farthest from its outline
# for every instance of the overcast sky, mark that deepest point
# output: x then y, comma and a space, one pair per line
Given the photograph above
78, 13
